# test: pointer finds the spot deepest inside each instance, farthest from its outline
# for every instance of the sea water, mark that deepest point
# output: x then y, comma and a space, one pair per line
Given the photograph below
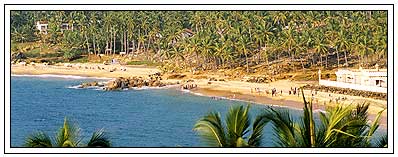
132, 118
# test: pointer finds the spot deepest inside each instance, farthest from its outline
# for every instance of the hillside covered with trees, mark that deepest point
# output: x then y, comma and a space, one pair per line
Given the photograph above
207, 40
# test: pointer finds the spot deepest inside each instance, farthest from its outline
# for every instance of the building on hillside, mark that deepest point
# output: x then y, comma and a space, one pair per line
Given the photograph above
42, 26
66, 26
370, 77
374, 80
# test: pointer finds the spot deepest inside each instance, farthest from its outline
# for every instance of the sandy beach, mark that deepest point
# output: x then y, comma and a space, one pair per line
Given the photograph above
85, 69
233, 89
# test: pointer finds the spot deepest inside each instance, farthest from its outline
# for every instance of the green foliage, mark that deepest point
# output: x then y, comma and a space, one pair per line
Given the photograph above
148, 63
80, 60
338, 127
99, 139
72, 54
213, 39
236, 131
67, 136
39, 139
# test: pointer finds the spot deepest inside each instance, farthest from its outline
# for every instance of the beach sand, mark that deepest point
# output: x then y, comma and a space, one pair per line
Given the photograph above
85, 69
233, 89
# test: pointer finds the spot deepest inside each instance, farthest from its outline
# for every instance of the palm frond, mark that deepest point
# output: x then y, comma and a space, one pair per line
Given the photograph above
240, 142
375, 124
307, 125
283, 126
211, 130
381, 142
68, 135
99, 139
335, 117
255, 138
238, 123
39, 139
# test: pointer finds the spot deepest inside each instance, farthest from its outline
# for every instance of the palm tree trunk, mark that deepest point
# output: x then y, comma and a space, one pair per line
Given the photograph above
321, 61
247, 63
133, 45
110, 43
114, 43
345, 56
313, 60
121, 43
88, 45
338, 59
127, 43
124, 42
302, 64
326, 64
95, 53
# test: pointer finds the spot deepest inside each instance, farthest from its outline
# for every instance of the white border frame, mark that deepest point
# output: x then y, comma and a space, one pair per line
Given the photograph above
198, 7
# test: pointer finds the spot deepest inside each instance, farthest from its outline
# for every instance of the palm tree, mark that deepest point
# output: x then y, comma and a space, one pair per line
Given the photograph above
67, 136
236, 132
338, 127
321, 48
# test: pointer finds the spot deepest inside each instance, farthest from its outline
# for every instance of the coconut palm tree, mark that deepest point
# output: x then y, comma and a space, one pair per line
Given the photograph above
338, 127
67, 136
234, 132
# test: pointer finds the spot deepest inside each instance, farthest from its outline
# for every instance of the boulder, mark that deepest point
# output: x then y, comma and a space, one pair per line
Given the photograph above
18, 56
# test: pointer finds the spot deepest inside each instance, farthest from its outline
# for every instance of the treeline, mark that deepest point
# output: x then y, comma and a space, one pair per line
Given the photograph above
215, 39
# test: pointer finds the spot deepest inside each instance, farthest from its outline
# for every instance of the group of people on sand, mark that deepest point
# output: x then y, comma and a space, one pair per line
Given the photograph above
274, 91
294, 91
189, 86
95, 67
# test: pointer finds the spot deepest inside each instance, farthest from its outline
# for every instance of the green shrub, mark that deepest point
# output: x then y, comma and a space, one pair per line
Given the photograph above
71, 54
148, 63
81, 60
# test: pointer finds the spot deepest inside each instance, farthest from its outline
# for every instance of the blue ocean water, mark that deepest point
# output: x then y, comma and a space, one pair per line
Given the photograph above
133, 118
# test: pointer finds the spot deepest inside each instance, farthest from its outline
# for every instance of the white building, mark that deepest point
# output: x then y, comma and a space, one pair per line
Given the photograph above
66, 26
374, 80
42, 26
370, 77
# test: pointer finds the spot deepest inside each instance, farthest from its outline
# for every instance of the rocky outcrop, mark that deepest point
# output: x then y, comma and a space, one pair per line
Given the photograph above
17, 57
347, 91
119, 83
122, 83
90, 84
176, 76
259, 79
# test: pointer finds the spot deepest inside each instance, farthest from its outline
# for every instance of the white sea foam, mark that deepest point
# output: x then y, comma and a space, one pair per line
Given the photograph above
78, 87
75, 87
60, 76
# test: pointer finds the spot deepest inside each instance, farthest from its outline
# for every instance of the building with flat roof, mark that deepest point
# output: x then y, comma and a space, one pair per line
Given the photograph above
42, 26
370, 77
374, 80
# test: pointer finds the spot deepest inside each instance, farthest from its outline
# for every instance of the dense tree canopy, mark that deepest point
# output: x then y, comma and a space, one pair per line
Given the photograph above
215, 39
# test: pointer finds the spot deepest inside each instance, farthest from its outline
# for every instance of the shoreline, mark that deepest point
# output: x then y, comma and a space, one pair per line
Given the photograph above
233, 90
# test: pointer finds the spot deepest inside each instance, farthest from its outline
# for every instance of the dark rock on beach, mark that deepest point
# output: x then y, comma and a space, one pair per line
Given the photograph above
89, 84
19, 56
347, 91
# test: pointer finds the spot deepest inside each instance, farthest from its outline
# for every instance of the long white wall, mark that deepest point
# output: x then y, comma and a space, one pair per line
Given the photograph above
352, 86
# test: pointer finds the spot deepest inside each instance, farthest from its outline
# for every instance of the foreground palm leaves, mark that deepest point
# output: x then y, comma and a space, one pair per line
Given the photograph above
67, 136
235, 133
338, 127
